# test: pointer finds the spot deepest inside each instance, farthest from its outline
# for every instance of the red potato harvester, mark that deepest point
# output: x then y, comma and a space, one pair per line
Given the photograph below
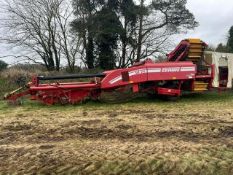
185, 70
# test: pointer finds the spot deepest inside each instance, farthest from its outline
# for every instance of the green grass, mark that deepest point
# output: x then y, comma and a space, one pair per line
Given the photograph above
188, 98
210, 98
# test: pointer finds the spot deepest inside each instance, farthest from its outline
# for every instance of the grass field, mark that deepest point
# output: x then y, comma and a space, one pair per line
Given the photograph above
191, 136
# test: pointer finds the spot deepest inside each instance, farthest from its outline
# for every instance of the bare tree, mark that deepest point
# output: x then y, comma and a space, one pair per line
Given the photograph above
71, 43
42, 27
158, 21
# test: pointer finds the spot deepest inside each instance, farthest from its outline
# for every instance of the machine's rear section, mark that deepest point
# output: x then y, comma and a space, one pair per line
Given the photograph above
188, 50
185, 70
193, 50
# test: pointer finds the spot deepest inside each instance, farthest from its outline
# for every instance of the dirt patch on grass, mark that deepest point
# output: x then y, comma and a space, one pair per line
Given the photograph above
17, 127
91, 122
177, 138
227, 131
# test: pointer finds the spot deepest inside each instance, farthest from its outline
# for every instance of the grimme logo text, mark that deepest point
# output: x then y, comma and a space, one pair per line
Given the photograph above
171, 69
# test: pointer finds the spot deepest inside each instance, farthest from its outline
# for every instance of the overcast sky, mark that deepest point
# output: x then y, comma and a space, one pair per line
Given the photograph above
215, 17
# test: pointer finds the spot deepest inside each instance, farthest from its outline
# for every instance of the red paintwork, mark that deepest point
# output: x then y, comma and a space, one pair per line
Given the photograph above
52, 87
169, 92
150, 72
173, 71
145, 76
14, 97
179, 52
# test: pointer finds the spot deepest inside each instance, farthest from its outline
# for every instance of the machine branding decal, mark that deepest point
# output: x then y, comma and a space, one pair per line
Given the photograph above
171, 69
132, 73
187, 69
154, 70
138, 72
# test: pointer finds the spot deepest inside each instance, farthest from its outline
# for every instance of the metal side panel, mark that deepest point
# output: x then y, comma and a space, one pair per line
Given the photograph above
122, 77
172, 71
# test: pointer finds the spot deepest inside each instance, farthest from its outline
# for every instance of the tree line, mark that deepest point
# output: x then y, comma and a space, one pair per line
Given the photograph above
104, 34
225, 48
